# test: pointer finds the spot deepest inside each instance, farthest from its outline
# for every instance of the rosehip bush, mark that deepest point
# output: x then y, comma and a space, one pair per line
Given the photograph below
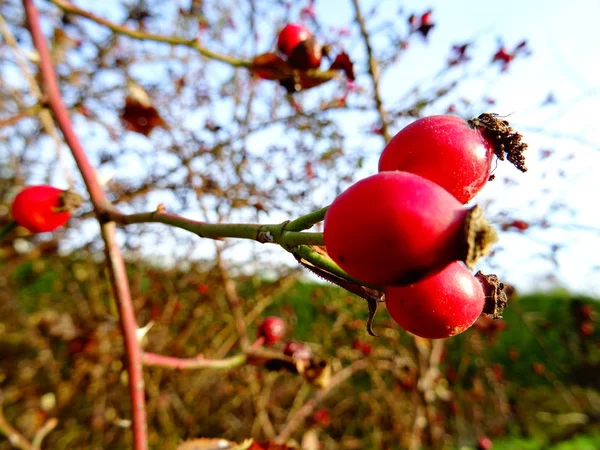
43, 208
393, 228
441, 305
452, 152
272, 330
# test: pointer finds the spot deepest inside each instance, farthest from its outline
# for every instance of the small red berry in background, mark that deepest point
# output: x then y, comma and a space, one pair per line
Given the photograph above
538, 368
43, 208
452, 152
484, 443
297, 350
272, 330
322, 418
364, 348
393, 228
442, 305
519, 225
290, 36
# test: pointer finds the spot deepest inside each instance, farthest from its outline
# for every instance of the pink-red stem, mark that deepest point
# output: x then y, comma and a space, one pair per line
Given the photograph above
115, 262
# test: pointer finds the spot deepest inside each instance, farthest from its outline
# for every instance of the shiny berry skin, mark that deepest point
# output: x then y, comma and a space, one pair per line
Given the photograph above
445, 150
441, 305
297, 350
290, 36
43, 208
272, 329
393, 228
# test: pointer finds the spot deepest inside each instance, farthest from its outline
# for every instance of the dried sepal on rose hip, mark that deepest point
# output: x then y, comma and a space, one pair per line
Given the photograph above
394, 228
441, 305
44, 208
456, 154
271, 330
496, 298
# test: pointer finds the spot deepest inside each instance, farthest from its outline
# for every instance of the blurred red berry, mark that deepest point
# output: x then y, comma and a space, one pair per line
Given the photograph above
538, 368
43, 208
272, 330
484, 443
586, 329
322, 418
290, 36
426, 18
364, 348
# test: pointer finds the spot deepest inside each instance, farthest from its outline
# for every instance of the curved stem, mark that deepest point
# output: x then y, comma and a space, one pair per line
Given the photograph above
70, 8
115, 262
307, 221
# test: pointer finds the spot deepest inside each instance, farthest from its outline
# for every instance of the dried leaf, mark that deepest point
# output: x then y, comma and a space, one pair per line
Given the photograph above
139, 114
270, 66
343, 62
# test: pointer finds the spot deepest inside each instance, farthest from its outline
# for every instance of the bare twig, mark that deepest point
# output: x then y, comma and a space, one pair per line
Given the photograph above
300, 416
48, 426
34, 87
199, 362
234, 301
373, 70
15, 438
70, 8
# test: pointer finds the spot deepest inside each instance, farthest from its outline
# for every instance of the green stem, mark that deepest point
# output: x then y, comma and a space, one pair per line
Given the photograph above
6, 229
294, 238
307, 221
269, 233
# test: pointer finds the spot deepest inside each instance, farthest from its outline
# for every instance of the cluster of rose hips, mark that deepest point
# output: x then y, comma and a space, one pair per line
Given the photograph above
406, 228
43, 208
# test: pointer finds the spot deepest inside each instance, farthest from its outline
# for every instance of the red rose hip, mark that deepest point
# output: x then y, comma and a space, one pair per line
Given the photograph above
272, 329
441, 305
290, 36
452, 152
393, 228
43, 208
